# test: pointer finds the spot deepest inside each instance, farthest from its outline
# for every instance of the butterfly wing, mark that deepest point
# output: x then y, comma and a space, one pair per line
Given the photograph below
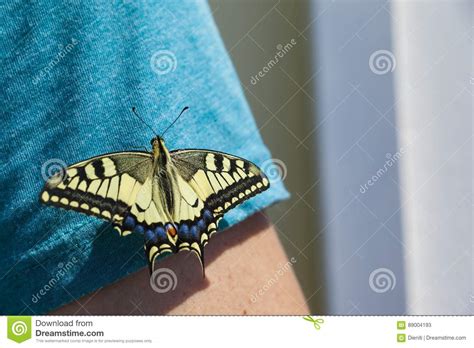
182, 223
221, 180
105, 186
202, 186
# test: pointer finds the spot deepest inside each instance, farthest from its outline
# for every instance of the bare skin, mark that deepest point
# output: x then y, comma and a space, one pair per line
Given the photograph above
240, 265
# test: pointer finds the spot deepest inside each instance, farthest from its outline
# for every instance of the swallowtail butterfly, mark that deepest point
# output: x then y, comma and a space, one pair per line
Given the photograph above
175, 199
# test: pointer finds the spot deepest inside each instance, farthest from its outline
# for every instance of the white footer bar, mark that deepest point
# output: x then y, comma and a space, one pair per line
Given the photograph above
235, 331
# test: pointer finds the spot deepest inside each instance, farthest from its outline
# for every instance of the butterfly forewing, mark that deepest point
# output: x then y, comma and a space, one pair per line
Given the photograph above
221, 180
103, 186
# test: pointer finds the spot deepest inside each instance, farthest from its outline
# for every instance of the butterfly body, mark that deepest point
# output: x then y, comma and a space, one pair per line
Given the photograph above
174, 199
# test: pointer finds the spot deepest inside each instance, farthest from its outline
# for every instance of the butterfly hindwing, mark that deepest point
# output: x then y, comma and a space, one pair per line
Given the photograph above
104, 186
186, 225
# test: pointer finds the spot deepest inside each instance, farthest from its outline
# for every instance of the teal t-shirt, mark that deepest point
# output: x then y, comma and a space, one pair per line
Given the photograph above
71, 71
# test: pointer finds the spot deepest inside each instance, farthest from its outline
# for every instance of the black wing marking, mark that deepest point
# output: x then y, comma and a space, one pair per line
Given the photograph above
221, 180
104, 186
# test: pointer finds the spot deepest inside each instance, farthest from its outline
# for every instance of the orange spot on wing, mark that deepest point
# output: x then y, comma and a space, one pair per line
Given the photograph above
171, 230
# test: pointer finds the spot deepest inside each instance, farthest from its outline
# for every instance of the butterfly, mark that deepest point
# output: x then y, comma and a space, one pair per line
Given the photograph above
175, 199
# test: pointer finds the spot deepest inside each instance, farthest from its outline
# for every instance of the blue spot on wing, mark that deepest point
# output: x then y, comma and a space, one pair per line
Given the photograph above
207, 216
160, 233
201, 225
139, 229
150, 236
183, 230
194, 232
129, 223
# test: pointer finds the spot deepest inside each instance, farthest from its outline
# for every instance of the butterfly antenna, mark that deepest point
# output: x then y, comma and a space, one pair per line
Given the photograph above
134, 110
176, 119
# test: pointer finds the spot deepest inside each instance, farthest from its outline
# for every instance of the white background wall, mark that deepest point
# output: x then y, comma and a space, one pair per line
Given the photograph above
403, 242
358, 135
433, 43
